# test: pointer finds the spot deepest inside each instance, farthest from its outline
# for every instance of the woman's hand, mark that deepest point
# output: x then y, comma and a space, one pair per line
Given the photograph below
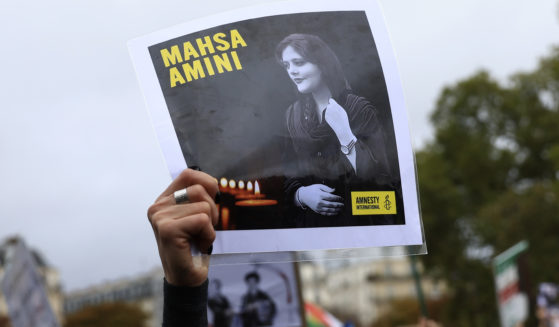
178, 227
320, 199
336, 116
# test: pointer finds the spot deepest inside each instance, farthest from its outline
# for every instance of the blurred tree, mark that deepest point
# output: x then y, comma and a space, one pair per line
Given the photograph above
4, 321
400, 312
116, 314
405, 312
489, 180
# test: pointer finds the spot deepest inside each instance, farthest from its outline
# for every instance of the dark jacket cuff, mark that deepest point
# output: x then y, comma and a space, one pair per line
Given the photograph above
185, 306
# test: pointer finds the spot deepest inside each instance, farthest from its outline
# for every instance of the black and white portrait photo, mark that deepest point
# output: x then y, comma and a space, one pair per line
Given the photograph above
337, 140
254, 295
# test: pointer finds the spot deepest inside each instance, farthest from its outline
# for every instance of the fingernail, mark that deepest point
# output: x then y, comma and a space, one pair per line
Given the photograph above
217, 197
210, 249
195, 168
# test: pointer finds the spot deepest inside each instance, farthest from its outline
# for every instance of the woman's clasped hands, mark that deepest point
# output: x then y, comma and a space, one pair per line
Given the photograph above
320, 199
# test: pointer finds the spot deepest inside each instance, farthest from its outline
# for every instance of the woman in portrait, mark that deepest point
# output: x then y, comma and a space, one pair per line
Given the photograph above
335, 142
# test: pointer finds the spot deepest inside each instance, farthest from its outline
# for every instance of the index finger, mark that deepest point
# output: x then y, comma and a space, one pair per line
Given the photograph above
191, 177
332, 197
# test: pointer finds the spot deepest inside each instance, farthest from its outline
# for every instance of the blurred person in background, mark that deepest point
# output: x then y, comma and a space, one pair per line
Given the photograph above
257, 308
219, 305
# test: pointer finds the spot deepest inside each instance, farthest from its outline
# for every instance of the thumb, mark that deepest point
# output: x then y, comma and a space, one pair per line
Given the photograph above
331, 101
326, 188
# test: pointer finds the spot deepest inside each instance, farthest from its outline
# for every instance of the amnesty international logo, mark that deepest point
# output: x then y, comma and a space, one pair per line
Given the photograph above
387, 202
373, 203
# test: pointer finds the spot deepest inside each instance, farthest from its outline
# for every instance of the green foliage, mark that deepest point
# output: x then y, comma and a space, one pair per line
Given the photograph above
400, 312
116, 314
405, 312
489, 180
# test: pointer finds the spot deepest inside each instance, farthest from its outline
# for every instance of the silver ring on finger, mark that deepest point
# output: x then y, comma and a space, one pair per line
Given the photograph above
181, 196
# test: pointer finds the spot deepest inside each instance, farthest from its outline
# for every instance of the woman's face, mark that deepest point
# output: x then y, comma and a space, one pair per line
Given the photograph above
306, 75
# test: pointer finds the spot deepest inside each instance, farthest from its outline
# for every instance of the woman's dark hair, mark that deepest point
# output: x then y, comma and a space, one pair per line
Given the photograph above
316, 51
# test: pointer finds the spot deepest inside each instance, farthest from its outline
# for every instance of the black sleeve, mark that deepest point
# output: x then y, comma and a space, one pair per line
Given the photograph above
372, 156
185, 306
293, 179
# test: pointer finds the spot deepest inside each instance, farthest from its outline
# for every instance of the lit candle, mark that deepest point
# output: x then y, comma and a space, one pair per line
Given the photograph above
225, 218
223, 182
248, 194
241, 185
232, 183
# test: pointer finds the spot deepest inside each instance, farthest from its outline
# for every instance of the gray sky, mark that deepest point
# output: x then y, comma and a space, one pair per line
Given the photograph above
79, 162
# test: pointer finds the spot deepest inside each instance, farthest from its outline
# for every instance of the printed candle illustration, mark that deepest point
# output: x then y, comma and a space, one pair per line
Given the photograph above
237, 200
254, 210
249, 195
243, 205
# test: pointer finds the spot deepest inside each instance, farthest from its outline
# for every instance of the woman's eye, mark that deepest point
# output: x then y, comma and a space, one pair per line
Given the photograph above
299, 63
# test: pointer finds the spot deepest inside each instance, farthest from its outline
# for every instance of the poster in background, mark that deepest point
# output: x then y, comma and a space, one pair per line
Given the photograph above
512, 285
263, 294
24, 291
238, 95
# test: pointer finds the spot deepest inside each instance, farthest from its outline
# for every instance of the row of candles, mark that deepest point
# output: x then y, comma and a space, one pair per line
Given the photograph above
240, 190
241, 195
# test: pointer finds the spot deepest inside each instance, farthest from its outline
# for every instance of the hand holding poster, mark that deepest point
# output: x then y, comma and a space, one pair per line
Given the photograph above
296, 108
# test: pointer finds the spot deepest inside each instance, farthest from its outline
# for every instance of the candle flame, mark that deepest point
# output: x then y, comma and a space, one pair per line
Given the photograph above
223, 182
249, 186
232, 183
256, 188
241, 185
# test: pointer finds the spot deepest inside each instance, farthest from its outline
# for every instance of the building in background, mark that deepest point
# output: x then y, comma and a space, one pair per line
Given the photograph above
49, 275
145, 291
363, 289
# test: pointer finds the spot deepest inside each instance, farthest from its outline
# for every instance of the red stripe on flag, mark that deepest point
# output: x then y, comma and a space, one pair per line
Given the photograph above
508, 292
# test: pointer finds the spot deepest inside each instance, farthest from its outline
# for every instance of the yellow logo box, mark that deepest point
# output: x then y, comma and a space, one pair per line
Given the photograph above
373, 203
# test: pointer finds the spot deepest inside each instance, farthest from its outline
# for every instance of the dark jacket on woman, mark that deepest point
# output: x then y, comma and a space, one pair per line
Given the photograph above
312, 155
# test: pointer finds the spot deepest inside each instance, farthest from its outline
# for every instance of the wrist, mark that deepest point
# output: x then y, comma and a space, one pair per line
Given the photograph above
347, 146
185, 279
346, 137
298, 201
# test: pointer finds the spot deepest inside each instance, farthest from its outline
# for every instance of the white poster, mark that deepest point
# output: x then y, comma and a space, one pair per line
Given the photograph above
297, 109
